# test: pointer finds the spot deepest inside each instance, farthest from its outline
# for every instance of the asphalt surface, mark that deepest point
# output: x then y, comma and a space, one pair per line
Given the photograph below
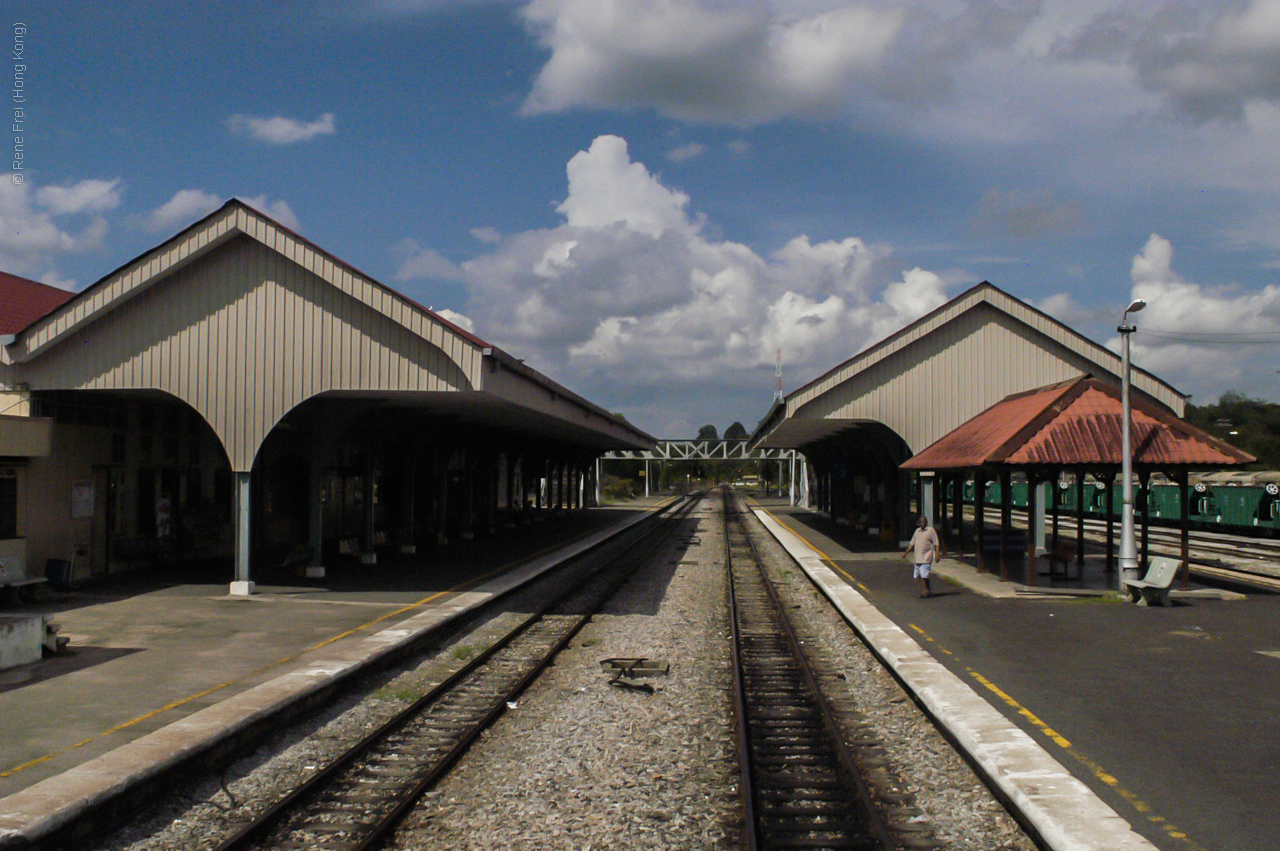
1172, 715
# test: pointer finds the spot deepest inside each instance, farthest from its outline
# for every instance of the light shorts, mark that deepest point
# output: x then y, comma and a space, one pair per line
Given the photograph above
921, 571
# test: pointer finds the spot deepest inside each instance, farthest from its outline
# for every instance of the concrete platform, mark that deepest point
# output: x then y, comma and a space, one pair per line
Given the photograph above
1169, 718
160, 669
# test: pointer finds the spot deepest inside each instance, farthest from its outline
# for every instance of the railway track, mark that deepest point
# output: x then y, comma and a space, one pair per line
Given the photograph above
357, 799
801, 784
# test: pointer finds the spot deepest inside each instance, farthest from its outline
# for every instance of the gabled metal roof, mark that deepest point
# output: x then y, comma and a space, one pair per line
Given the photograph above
244, 320
1073, 422
966, 354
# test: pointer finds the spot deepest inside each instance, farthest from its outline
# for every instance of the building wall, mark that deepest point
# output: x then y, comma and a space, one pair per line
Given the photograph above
13, 549
104, 448
942, 379
243, 334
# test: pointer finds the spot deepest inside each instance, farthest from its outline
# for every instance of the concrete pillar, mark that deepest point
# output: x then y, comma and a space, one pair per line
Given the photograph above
487, 469
315, 513
409, 497
440, 481
927, 495
1035, 507
1006, 487
1044, 493
242, 586
537, 490
553, 488
980, 517
646, 477
367, 553
471, 470
510, 473
596, 485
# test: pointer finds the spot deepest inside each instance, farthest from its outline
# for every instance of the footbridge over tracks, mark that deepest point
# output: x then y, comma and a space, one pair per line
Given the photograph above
792, 465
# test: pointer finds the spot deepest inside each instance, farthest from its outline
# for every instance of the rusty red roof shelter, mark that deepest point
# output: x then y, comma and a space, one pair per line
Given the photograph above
23, 301
1072, 426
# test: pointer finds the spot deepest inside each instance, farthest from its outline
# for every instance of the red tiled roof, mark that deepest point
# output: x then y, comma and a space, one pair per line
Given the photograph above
23, 302
1076, 422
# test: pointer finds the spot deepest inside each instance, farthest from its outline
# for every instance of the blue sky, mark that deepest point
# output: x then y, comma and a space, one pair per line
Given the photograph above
648, 198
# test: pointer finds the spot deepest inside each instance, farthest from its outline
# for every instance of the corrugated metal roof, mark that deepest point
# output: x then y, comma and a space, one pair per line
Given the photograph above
23, 301
1076, 422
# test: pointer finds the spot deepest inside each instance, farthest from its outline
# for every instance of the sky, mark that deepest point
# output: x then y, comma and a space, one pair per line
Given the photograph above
649, 200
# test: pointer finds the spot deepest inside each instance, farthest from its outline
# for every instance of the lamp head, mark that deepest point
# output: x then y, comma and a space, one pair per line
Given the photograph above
1136, 305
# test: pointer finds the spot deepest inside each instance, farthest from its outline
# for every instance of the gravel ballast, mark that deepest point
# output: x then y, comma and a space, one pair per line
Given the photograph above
579, 763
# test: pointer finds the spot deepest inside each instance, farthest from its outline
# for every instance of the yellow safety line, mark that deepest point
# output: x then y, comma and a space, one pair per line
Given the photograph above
830, 561
1105, 777
1170, 830
182, 702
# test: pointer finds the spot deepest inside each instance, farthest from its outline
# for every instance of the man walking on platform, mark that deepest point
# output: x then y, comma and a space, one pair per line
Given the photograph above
924, 543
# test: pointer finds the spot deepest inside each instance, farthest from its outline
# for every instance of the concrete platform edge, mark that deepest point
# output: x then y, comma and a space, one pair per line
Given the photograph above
1066, 814
34, 814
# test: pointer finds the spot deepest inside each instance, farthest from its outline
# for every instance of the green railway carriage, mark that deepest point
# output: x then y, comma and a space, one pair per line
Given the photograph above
1240, 502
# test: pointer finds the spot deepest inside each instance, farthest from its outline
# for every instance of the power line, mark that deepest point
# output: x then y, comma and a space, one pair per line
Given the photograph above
1246, 338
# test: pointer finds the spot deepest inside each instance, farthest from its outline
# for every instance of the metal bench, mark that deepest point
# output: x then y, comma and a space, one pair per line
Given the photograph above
1153, 589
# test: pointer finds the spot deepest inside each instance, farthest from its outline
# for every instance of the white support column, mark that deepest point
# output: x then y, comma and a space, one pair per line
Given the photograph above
646, 477
368, 555
791, 481
1044, 492
242, 586
926, 495
315, 536
409, 506
599, 495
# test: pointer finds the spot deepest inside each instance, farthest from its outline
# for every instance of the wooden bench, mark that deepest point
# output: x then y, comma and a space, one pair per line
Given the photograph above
1153, 589
1063, 556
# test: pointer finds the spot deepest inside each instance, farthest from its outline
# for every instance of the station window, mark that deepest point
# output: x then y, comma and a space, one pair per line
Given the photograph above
8, 504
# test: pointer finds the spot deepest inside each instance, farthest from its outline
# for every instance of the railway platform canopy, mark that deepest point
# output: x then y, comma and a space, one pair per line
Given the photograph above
858, 422
1071, 427
239, 391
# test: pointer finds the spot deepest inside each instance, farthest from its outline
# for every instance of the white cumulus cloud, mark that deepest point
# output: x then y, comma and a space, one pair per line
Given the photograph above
704, 61
190, 205
606, 188
416, 262
683, 153
1200, 338
630, 299
38, 225
278, 130
185, 207
87, 196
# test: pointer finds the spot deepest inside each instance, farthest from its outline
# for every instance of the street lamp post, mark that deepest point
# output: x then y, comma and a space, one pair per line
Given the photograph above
1129, 567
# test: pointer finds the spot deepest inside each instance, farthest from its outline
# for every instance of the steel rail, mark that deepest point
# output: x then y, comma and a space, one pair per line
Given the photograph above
408, 793
850, 818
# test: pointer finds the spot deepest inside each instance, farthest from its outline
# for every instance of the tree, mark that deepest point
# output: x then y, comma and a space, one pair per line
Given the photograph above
708, 432
1251, 424
737, 431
